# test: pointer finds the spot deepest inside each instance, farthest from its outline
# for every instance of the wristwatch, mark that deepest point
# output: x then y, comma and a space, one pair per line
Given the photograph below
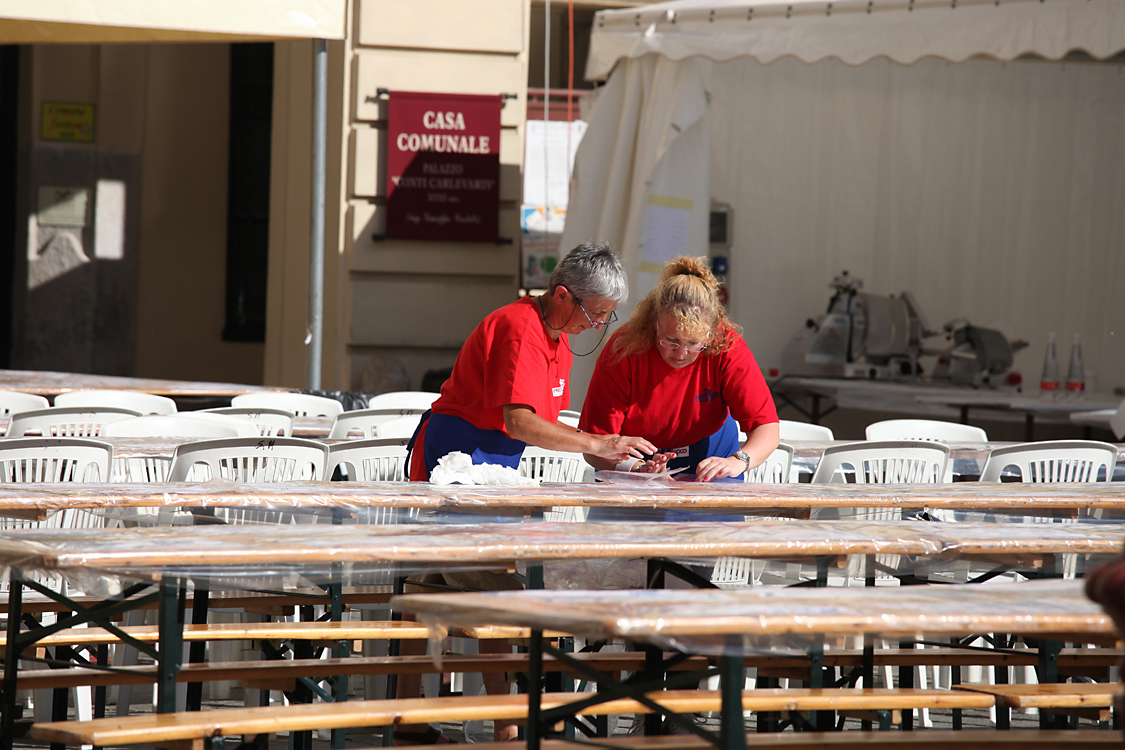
741, 456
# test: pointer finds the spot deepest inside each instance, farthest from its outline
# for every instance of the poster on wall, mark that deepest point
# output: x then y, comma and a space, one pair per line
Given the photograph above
443, 167
540, 233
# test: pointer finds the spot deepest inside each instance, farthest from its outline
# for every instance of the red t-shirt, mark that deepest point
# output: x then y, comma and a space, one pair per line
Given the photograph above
508, 359
644, 396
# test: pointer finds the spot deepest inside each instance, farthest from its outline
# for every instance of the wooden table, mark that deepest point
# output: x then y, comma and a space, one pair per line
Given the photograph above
731, 622
35, 501
48, 383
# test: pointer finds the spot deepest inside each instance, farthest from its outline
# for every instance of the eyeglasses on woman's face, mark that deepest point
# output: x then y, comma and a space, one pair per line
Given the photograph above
606, 317
671, 342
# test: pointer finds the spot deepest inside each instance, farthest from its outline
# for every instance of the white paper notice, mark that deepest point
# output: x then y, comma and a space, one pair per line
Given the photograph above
666, 233
557, 153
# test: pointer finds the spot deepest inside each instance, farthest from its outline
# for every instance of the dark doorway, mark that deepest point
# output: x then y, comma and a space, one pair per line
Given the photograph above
9, 111
248, 202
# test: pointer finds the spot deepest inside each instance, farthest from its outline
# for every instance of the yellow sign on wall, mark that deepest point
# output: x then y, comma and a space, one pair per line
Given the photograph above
63, 121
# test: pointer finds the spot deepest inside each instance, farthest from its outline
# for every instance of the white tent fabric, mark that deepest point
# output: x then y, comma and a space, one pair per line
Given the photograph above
855, 31
646, 162
991, 190
111, 21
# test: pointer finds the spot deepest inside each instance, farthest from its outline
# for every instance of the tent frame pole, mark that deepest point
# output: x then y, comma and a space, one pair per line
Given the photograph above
316, 244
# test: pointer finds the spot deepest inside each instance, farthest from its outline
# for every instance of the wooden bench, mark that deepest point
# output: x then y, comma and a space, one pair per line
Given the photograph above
281, 674
190, 729
929, 739
1083, 699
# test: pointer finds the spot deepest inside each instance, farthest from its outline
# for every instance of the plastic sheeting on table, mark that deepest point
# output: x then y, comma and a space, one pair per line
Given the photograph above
361, 555
770, 618
1000, 497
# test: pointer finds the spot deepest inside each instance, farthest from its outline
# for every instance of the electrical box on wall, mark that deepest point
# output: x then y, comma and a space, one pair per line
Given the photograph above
720, 233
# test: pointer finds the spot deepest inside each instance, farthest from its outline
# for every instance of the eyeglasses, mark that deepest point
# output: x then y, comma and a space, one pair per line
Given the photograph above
610, 317
693, 348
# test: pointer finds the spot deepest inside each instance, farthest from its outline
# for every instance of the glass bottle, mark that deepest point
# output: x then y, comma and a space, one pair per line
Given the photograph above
1076, 373
1049, 383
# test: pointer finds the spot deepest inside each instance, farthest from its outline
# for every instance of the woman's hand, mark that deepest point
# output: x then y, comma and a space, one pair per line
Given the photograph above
618, 448
656, 464
717, 467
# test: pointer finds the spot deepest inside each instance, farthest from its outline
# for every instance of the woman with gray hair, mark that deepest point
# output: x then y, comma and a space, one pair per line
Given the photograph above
511, 378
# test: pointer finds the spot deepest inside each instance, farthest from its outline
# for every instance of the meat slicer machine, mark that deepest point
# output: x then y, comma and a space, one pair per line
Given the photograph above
882, 337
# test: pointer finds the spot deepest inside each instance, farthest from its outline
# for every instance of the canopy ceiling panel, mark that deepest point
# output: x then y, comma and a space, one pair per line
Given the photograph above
114, 21
856, 31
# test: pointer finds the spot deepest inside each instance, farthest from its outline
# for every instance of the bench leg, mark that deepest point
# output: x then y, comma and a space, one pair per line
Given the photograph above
11, 659
171, 633
654, 656
534, 695
732, 680
197, 652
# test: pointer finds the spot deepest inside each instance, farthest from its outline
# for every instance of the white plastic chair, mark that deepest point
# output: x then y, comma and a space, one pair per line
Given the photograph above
145, 403
370, 421
270, 422
403, 400
570, 417
555, 466
50, 459
17, 401
885, 462
373, 460
925, 429
181, 426
791, 430
1053, 461
67, 421
551, 466
1110, 419
399, 427
275, 459
301, 404
775, 469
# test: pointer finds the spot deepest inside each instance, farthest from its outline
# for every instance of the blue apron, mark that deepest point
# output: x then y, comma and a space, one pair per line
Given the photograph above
446, 433
724, 442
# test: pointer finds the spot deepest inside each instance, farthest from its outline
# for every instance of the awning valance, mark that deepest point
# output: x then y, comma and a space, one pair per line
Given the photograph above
856, 31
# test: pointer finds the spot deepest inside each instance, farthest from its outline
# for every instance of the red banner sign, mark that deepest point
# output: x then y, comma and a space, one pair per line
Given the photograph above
443, 167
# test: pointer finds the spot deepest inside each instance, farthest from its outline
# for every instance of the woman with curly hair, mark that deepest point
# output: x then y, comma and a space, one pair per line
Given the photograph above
679, 374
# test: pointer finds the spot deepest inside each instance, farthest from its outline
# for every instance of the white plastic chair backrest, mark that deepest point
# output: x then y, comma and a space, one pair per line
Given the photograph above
368, 421
403, 400
145, 403
258, 459
55, 460
270, 422
301, 404
791, 430
551, 466
177, 426
67, 421
377, 460
925, 429
399, 427
1053, 461
775, 469
12, 402
885, 462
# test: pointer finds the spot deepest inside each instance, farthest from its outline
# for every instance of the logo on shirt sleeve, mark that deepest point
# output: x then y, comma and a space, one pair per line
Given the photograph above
558, 392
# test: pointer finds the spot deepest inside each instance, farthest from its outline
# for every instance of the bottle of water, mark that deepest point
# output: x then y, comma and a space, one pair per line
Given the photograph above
1076, 373
1049, 383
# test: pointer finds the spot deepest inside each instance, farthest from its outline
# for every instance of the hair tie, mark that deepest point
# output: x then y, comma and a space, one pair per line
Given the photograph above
696, 274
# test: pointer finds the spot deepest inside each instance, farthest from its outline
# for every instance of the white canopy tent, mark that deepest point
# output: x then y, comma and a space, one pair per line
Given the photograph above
923, 146
150, 21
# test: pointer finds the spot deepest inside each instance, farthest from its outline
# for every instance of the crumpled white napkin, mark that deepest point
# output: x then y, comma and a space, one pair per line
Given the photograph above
458, 468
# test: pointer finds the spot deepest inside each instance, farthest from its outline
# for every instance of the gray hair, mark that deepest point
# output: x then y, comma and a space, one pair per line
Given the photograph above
591, 270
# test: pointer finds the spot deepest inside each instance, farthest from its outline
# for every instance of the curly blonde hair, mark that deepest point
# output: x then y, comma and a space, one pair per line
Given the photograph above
687, 291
